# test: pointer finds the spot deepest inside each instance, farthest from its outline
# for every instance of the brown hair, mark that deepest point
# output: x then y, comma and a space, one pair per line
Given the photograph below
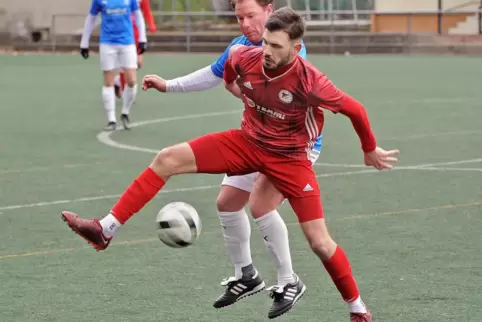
287, 20
262, 3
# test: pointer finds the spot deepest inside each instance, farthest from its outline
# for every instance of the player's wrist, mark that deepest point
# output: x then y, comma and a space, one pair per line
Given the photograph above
369, 143
171, 86
368, 147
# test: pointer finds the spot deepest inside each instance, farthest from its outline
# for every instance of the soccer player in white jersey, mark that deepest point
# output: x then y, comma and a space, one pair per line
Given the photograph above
117, 50
235, 191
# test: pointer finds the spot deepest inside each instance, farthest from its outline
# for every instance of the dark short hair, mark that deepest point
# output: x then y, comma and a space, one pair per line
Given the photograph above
287, 20
262, 3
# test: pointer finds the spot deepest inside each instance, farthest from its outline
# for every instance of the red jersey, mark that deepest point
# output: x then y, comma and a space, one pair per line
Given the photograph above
284, 114
147, 13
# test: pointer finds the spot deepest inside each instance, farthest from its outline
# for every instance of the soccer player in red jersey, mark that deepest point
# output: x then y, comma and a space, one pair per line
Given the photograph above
283, 115
120, 81
235, 191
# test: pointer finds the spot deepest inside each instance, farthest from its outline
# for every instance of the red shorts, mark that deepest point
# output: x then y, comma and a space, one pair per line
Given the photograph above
231, 152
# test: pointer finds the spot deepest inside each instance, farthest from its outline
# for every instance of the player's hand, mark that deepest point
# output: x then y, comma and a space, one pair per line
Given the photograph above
233, 49
234, 89
84, 52
381, 159
154, 81
141, 48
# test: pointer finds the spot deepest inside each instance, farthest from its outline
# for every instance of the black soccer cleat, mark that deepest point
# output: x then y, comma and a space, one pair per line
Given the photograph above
125, 121
285, 297
111, 126
238, 289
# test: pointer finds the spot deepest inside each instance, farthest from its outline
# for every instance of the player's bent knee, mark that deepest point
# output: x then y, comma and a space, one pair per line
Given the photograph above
324, 248
174, 160
264, 198
259, 208
231, 199
262, 204
318, 238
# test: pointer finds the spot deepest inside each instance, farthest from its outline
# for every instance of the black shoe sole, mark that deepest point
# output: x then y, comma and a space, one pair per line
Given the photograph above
286, 310
240, 298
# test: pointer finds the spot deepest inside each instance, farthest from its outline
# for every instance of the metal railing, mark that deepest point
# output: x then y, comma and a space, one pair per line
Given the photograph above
189, 24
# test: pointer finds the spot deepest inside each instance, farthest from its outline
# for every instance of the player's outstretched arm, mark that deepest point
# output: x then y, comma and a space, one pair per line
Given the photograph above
201, 79
374, 156
204, 78
326, 95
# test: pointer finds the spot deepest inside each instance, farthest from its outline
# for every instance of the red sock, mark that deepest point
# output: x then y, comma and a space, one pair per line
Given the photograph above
137, 195
122, 80
339, 269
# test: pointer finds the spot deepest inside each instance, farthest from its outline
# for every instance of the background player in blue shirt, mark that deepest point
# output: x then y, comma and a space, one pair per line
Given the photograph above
117, 50
236, 190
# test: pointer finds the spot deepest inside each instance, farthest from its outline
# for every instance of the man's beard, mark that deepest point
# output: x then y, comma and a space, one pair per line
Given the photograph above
273, 66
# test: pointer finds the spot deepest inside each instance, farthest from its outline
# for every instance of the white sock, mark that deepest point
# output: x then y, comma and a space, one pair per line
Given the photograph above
108, 96
117, 81
275, 234
357, 306
237, 233
129, 98
110, 225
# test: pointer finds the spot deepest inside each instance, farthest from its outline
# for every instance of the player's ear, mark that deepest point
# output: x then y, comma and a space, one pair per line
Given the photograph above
269, 8
297, 47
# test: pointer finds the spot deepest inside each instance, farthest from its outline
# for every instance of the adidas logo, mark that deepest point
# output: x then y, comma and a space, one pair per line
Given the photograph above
308, 188
238, 289
290, 293
248, 85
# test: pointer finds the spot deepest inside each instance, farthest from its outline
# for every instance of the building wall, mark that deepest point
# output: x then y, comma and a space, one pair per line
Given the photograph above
394, 5
40, 12
426, 22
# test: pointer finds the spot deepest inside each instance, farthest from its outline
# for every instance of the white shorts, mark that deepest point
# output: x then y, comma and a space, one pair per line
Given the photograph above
113, 57
246, 182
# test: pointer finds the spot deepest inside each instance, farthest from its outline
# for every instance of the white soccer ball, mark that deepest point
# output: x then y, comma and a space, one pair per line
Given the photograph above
178, 224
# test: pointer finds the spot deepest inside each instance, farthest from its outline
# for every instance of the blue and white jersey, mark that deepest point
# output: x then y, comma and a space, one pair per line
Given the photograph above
116, 26
217, 67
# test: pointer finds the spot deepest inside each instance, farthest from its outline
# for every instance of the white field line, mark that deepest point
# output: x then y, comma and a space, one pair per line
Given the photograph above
104, 137
115, 196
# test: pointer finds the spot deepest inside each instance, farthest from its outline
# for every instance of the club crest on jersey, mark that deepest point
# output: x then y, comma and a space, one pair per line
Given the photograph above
285, 96
250, 102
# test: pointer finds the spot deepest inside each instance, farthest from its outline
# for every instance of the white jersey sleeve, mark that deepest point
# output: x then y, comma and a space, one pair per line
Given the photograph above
141, 25
89, 26
199, 80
